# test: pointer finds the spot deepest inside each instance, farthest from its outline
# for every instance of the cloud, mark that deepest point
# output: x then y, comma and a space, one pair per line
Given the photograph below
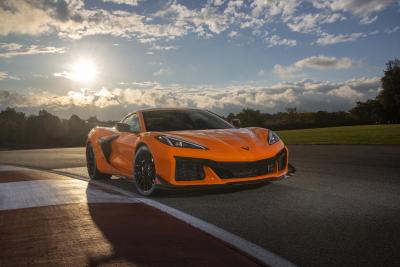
306, 95
325, 62
10, 46
261, 73
165, 72
320, 62
205, 21
163, 47
8, 50
3, 75
283, 71
64, 74
276, 40
273, 8
6, 76
346, 91
73, 19
310, 23
218, 2
233, 34
126, 2
392, 30
357, 7
368, 20
360, 8
329, 39
20, 17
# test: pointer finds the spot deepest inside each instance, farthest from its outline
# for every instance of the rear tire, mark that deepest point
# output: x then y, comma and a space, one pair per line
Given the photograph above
144, 172
91, 163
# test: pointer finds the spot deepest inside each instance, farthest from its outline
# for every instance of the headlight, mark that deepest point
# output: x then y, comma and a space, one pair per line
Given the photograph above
175, 142
272, 137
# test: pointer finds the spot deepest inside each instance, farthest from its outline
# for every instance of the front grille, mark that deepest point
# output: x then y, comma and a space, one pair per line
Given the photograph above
189, 169
226, 170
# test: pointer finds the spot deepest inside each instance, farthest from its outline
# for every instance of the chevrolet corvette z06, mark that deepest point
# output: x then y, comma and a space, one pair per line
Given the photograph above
172, 148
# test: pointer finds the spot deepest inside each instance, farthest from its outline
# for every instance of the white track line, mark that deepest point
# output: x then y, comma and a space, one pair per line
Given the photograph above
39, 193
267, 257
5, 168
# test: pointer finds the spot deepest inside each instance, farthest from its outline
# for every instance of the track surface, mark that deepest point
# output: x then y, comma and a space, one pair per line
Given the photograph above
342, 208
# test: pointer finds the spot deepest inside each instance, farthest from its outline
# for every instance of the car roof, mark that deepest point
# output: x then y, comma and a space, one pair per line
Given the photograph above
159, 109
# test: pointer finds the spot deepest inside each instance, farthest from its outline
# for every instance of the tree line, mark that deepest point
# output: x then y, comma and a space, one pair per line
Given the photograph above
17, 130
44, 130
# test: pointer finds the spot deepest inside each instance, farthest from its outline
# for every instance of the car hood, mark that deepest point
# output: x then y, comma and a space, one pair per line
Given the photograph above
227, 140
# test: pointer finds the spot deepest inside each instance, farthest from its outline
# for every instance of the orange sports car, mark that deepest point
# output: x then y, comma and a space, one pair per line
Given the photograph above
159, 148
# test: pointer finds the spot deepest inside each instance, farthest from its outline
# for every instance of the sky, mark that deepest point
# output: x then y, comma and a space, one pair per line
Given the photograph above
111, 57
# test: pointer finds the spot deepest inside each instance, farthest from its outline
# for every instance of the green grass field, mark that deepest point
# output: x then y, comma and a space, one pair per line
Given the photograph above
346, 135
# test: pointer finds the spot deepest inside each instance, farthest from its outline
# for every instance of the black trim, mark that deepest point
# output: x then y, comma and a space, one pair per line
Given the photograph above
165, 185
105, 144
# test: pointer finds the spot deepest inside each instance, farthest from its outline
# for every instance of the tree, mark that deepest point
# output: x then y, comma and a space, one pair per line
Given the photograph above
93, 120
77, 131
249, 117
231, 117
12, 127
45, 130
370, 111
42, 130
389, 97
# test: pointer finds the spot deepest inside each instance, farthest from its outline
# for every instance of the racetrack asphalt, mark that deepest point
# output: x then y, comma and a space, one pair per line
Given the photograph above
342, 208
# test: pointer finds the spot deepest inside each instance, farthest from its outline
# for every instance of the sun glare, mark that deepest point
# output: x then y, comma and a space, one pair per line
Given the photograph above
84, 71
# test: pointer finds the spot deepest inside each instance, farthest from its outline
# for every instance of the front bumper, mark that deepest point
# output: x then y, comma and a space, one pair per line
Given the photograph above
163, 184
191, 169
186, 171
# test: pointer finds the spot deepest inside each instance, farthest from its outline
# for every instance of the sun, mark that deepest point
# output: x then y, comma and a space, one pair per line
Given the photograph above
84, 70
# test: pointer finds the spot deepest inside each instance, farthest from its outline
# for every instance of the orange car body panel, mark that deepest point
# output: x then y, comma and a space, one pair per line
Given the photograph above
224, 145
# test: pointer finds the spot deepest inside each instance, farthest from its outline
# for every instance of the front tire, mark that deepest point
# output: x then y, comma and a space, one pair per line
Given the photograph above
93, 172
144, 172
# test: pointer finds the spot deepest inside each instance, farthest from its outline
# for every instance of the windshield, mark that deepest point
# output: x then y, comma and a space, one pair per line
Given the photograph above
182, 120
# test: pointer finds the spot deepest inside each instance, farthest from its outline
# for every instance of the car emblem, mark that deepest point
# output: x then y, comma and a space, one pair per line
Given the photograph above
245, 147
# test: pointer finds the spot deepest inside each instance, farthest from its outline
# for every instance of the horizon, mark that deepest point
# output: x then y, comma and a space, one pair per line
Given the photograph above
83, 118
107, 58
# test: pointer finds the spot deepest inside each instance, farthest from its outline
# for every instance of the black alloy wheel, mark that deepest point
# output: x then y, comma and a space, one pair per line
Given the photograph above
93, 172
144, 172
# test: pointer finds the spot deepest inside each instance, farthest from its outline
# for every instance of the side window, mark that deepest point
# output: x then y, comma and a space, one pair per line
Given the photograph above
133, 122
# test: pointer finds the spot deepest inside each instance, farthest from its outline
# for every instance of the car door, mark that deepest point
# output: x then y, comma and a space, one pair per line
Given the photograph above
125, 144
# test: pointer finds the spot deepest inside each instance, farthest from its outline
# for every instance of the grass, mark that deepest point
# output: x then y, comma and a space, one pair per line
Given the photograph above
388, 134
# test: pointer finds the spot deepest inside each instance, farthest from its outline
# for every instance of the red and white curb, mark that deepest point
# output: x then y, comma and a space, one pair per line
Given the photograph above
257, 252
30, 194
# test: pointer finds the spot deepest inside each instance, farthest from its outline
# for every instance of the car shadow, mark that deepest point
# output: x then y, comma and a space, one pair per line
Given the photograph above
198, 192
186, 192
134, 234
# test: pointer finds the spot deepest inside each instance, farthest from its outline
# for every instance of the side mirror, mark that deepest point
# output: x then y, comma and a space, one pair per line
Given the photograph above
236, 123
122, 127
